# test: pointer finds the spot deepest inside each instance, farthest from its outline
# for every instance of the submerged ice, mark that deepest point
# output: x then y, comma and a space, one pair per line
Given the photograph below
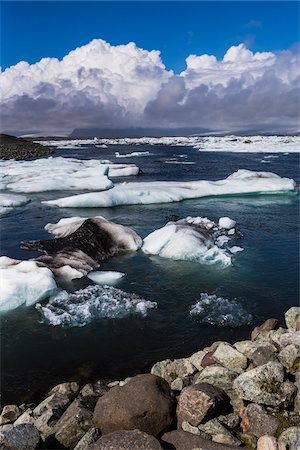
81, 307
215, 310
195, 239
240, 182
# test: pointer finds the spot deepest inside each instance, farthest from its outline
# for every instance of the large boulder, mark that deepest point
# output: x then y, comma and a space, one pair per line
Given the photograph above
292, 318
19, 437
200, 402
9, 414
144, 403
181, 440
73, 424
170, 370
268, 325
259, 422
126, 440
230, 358
219, 377
265, 385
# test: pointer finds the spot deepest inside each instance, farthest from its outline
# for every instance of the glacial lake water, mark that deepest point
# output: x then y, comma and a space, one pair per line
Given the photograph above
264, 278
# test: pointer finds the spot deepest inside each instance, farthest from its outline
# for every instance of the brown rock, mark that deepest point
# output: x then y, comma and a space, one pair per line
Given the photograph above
126, 440
267, 443
208, 359
200, 402
268, 325
259, 422
144, 403
181, 440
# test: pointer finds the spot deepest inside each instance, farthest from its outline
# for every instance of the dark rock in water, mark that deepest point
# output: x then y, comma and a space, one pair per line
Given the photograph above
126, 440
181, 440
94, 241
12, 147
19, 437
200, 402
144, 403
248, 141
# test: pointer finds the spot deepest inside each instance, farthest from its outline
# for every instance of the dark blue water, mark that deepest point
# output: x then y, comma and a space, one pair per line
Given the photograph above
264, 278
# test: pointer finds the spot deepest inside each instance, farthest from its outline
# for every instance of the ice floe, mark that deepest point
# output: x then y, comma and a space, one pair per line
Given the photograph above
24, 283
215, 310
8, 202
240, 182
226, 223
81, 307
106, 277
53, 174
82, 244
229, 143
193, 239
132, 155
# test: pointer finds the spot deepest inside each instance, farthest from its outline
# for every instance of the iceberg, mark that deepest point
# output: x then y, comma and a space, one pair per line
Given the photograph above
81, 307
192, 239
58, 173
214, 310
24, 283
105, 277
240, 182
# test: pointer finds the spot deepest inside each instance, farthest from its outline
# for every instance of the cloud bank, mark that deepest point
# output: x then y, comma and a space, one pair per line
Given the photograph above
103, 86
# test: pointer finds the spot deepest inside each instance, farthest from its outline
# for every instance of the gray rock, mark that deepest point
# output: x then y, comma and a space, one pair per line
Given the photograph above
48, 412
230, 420
181, 440
245, 347
144, 403
218, 376
200, 402
73, 424
68, 389
170, 370
160, 368
267, 443
262, 355
292, 318
9, 414
268, 325
126, 440
288, 355
196, 359
297, 397
265, 385
289, 439
230, 358
271, 337
19, 437
89, 438
292, 337
186, 426
179, 383
259, 422
219, 432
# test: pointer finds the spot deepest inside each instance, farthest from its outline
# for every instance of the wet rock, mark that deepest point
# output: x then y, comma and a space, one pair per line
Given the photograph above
219, 377
144, 403
268, 325
200, 402
292, 318
265, 385
289, 439
263, 355
288, 355
267, 443
73, 424
68, 389
89, 438
230, 358
9, 414
19, 437
259, 422
181, 440
126, 440
196, 359
219, 432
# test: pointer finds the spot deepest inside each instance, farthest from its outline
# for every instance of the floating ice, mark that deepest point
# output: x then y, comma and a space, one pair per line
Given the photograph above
9, 201
215, 310
226, 223
81, 307
53, 174
193, 239
253, 144
240, 182
23, 282
131, 155
105, 277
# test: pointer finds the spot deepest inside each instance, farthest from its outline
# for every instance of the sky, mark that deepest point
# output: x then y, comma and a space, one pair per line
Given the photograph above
160, 79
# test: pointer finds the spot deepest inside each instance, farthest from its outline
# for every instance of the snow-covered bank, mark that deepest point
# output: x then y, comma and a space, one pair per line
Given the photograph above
240, 182
232, 143
55, 174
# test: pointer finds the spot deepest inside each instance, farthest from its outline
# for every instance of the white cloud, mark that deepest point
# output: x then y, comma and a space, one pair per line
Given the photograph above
104, 86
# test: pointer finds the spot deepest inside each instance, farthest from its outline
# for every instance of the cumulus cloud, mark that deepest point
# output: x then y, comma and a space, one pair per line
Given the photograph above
103, 86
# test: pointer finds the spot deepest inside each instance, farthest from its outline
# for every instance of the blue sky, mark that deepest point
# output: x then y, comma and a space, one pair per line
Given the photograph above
32, 30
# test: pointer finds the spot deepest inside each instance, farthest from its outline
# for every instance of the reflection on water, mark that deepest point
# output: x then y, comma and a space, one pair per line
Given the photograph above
263, 279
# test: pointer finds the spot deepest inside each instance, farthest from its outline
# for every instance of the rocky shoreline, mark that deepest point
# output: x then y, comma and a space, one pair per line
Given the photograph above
245, 395
12, 147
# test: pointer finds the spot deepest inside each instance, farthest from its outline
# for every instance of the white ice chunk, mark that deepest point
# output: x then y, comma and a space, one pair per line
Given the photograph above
81, 307
24, 283
240, 182
226, 223
10, 200
123, 170
106, 277
235, 249
133, 154
215, 310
